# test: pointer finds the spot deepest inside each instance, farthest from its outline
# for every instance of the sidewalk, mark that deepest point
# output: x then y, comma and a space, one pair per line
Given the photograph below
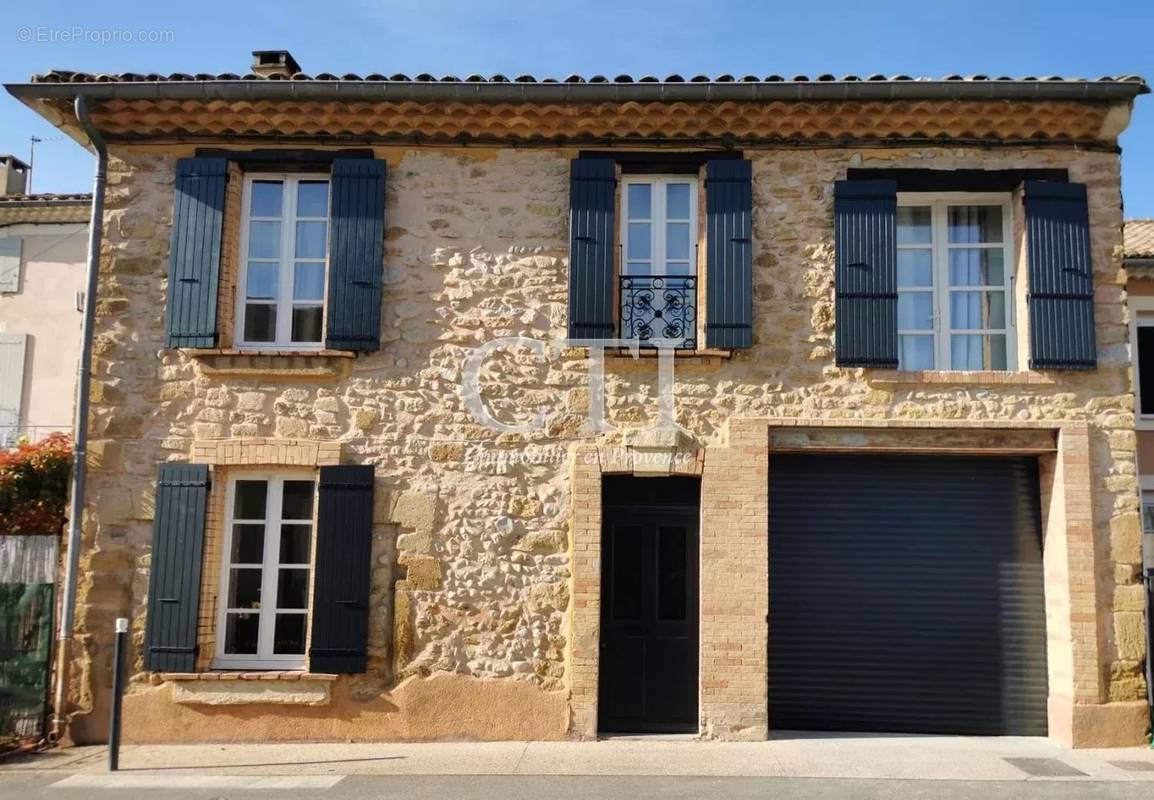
869, 757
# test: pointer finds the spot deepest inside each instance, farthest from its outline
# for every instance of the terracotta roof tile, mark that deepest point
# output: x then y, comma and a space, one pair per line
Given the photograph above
70, 76
1139, 238
46, 198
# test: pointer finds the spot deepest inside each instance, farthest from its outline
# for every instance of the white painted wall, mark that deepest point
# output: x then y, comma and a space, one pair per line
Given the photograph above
45, 309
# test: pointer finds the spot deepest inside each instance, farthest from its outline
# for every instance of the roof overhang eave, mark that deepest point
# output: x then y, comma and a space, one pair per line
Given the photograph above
1083, 91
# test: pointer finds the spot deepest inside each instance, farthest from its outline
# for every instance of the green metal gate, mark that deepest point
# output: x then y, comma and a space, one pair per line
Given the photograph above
27, 601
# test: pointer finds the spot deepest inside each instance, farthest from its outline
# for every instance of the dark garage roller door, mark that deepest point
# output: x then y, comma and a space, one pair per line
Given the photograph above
906, 595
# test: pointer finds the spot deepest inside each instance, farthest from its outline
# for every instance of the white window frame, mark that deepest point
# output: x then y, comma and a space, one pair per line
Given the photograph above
1141, 316
284, 300
264, 658
658, 220
939, 203
1145, 499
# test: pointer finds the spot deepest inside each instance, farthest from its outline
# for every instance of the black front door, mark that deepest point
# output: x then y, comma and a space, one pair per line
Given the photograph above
648, 678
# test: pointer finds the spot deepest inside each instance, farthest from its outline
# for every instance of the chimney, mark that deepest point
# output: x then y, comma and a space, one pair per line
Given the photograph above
13, 176
274, 64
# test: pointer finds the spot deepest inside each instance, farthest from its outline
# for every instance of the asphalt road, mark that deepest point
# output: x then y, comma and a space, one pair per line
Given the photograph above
141, 786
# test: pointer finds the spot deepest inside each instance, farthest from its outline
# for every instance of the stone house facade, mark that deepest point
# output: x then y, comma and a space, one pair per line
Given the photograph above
305, 377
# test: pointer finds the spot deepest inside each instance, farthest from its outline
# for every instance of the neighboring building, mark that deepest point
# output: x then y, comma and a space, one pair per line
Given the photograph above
904, 496
43, 242
1139, 262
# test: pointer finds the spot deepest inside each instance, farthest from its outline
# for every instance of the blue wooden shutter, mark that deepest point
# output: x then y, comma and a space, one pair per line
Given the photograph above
194, 260
13, 353
10, 252
1061, 288
340, 627
174, 576
865, 273
356, 254
592, 232
729, 254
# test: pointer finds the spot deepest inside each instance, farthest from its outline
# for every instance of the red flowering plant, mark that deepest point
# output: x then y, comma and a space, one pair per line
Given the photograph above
34, 485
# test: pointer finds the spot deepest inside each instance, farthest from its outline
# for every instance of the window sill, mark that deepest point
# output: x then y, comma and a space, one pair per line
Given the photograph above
958, 378
289, 687
203, 352
1144, 424
622, 355
233, 675
283, 364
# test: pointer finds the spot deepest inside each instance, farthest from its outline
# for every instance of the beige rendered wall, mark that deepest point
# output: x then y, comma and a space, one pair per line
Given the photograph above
1143, 287
476, 550
45, 309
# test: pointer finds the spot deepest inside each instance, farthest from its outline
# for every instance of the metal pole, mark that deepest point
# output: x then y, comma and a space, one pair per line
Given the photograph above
117, 693
80, 426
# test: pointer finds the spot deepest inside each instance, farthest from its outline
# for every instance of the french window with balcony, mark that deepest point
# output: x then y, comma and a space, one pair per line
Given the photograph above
659, 267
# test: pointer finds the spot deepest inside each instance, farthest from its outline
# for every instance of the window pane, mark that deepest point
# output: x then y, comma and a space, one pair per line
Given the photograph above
671, 574
264, 240
977, 310
289, 634
640, 246
259, 322
263, 281
266, 199
677, 241
292, 588
313, 199
969, 351
250, 500
978, 267
1146, 367
307, 323
639, 200
1148, 517
915, 268
677, 244
312, 239
240, 634
915, 352
916, 311
247, 544
914, 225
637, 268
298, 500
294, 543
309, 280
973, 224
244, 588
677, 201
627, 573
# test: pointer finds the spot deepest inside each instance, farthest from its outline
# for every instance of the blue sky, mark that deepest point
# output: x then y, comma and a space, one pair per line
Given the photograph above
591, 36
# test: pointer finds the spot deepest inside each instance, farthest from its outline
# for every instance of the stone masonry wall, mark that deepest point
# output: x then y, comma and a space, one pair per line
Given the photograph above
472, 574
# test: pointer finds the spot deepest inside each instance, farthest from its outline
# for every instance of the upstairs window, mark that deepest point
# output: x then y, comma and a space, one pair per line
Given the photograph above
955, 282
1144, 359
284, 253
659, 268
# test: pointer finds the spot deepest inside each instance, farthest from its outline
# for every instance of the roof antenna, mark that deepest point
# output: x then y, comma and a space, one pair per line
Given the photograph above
34, 140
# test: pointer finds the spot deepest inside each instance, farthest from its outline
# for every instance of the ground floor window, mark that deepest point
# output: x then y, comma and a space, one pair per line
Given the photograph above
265, 574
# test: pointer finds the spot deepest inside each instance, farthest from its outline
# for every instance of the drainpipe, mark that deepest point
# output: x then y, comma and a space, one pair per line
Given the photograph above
80, 425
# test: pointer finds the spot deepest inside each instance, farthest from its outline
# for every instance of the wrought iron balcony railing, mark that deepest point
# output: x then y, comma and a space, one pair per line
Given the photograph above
659, 307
